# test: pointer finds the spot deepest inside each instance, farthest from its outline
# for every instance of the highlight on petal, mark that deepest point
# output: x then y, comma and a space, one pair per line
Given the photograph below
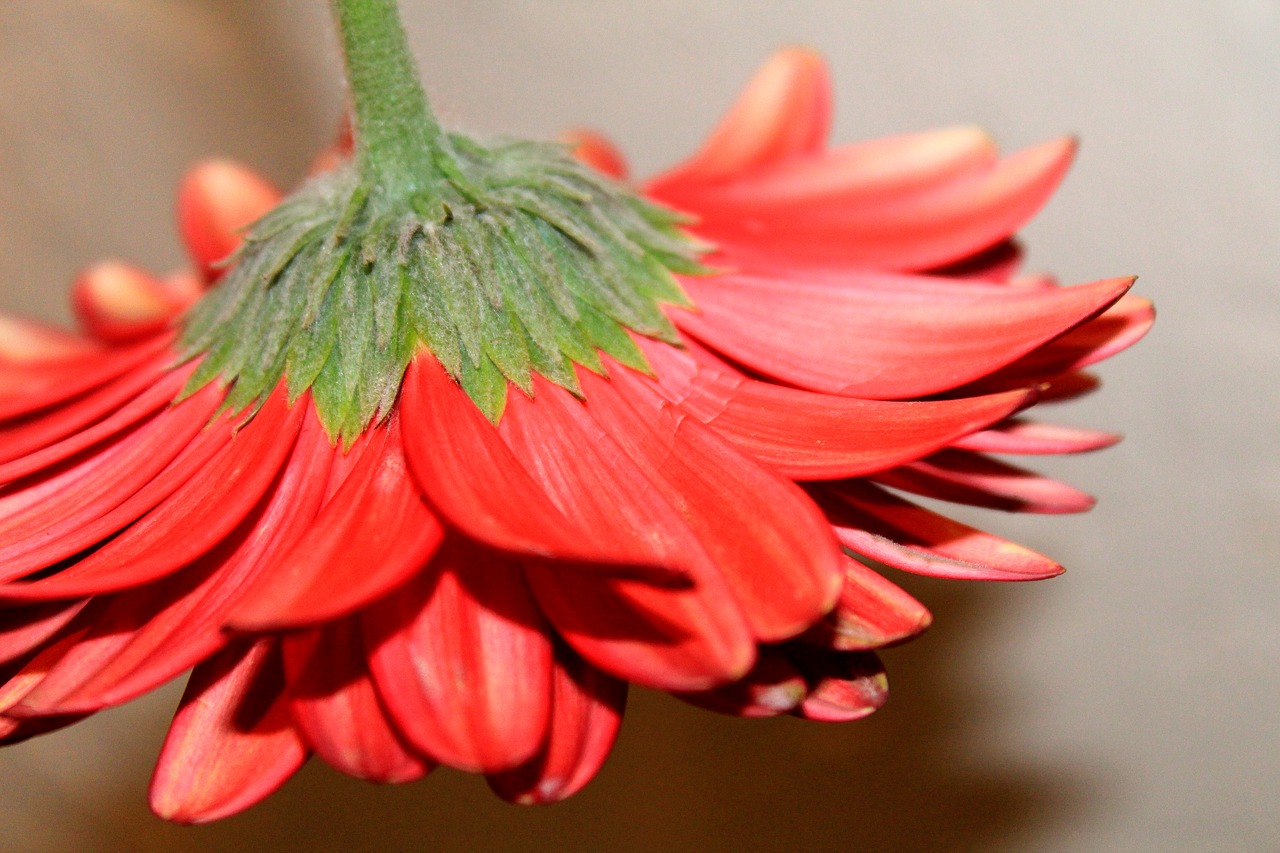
216, 201
24, 341
842, 686
784, 112
970, 478
773, 686
872, 613
1022, 436
118, 302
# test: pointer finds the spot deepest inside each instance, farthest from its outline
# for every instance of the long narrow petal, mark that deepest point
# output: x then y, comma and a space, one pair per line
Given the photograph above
337, 708
1033, 437
784, 111
970, 478
921, 231
586, 713
890, 530
806, 435
26, 388
855, 177
232, 741
159, 391
882, 336
372, 535
462, 659
189, 522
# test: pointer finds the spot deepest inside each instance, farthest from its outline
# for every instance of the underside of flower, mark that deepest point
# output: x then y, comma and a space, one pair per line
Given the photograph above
444, 460
522, 260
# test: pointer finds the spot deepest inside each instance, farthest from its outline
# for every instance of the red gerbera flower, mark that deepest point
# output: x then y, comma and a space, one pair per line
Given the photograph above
430, 476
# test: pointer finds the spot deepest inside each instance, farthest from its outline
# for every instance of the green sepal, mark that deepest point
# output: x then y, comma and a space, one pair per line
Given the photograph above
518, 261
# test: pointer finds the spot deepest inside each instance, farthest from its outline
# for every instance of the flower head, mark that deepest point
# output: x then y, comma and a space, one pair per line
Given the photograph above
422, 482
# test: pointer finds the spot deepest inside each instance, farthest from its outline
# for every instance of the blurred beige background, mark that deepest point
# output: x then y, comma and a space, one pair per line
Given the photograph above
1129, 705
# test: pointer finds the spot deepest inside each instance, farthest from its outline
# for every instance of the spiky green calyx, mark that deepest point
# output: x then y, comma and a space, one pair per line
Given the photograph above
516, 259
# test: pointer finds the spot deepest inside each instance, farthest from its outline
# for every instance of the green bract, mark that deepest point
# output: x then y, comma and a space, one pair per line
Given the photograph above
518, 259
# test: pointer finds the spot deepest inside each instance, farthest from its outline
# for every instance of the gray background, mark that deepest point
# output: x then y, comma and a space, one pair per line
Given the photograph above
1129, 705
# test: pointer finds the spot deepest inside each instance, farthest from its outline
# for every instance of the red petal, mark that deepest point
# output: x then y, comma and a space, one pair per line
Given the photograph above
784, 111
843, 687
24, 629
24, 341
586, 713
1117, 328
597, 151
962, 477
372, 535
1031, 437
805, 435
232, 742
46, 519
218, 199
892, 531
26, 388
871, 613
880, 335
337, 708
473, 479
462, 660
166, 627
192, 520
162, 390
118, 302
920, 231
773, 686
20, 437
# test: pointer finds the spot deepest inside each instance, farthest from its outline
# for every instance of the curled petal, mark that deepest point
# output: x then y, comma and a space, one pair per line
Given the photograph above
232, 741
118, 302
842, 686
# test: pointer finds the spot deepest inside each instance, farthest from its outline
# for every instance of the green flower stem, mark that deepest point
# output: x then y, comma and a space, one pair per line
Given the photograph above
399, 141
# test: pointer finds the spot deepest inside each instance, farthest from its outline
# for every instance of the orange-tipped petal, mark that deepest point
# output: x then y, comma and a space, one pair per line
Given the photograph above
843, 686
216, 201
